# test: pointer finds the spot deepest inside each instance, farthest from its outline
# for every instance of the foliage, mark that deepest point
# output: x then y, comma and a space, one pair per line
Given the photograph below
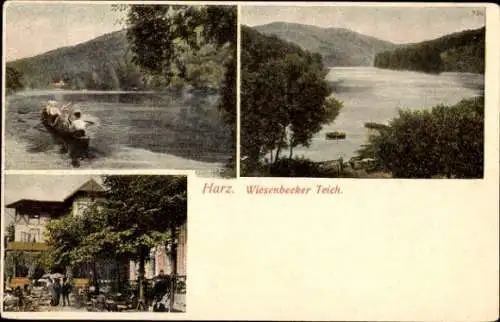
443, 141
302, 167
337, 46
138, 213
283, 96
162, 35
460, 52
62, 236
13, 80
20, 263
11, 231
105, 63
298, 167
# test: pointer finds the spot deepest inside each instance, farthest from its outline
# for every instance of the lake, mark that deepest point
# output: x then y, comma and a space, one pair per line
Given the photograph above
130, 130
374, 95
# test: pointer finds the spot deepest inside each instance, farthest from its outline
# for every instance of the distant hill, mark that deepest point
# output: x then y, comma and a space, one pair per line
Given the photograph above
105, 63
457, 52
100, 63
337, 46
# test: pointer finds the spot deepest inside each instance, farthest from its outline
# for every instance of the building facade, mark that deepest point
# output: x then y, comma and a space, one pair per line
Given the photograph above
32, 216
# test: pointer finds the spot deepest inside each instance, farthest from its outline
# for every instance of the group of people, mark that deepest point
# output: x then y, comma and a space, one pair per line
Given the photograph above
161, 292
58, 290
64, 119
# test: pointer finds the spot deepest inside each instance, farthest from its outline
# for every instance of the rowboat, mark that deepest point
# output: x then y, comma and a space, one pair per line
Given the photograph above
75, 142
335, 135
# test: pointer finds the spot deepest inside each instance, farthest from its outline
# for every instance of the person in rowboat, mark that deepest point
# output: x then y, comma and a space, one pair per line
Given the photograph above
61, 119
77, 124
52, 112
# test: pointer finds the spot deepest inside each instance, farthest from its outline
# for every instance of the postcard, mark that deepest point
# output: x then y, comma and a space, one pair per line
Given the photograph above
285, 161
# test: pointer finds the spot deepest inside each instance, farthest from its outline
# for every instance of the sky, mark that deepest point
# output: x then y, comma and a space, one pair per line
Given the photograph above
395, 24
40, 187
35, 28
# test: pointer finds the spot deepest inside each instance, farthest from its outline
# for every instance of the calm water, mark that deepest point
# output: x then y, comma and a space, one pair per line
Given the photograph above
129, 130
374, 95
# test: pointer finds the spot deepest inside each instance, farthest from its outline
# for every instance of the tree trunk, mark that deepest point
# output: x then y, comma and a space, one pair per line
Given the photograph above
94, 271
173, 279
69, 272
140, 278
278, 151
291, 151
253, 158
117, 279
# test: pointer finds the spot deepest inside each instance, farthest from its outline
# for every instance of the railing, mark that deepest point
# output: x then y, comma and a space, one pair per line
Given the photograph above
26, 246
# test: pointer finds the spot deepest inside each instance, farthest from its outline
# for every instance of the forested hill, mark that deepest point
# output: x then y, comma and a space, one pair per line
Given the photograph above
105, 63
337, 46
458, 52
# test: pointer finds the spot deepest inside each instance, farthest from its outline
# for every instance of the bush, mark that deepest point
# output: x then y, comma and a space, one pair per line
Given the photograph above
445, 141
298, 167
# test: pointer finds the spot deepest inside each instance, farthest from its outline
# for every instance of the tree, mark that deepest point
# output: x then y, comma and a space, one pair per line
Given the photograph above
13, 80
284, 96
138, 213
11, 231
160, 36
443, 141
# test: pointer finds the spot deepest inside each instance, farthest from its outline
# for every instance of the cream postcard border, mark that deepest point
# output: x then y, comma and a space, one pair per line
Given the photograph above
360, 196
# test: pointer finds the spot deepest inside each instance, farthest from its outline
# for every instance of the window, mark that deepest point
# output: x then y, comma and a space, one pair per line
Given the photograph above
34, 235
34, 219
25, 237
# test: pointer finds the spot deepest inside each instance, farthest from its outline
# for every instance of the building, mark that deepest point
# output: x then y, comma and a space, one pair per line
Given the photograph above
60, 84
31, 217
160, 260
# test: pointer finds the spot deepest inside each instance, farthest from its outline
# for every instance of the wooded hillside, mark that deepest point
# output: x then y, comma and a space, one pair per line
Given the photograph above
337, 46
458, 52
105, 63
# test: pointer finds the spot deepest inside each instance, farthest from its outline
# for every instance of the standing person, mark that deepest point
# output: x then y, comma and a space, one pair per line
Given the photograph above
65, 290
56, 292
19, 294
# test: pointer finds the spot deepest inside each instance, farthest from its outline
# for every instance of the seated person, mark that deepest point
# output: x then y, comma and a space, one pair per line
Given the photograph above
52, 112
61, 119
9, 298
78, 125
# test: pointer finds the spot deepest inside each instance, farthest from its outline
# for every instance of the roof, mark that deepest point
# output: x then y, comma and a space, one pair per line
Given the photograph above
90, 185
25, 201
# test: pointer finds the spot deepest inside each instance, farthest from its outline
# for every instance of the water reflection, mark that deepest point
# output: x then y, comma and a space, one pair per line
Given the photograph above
186, 125
375, 95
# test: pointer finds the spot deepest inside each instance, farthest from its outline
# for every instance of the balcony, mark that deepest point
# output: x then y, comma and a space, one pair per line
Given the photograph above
26, 247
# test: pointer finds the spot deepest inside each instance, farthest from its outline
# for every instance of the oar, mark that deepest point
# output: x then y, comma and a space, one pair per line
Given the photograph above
66, 106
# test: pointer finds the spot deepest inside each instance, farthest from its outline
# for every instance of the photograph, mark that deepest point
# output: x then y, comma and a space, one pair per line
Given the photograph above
120, 86
81, 243
362, 91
